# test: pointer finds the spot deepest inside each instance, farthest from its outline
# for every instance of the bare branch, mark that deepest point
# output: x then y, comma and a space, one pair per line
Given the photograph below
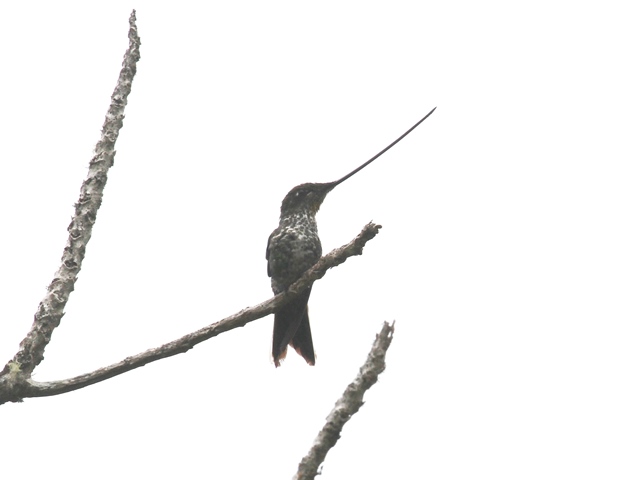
15, 385
347, 405
51, 308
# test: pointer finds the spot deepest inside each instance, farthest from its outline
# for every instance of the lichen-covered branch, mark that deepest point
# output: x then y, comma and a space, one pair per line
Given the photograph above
51, 308
347, 405
14, 386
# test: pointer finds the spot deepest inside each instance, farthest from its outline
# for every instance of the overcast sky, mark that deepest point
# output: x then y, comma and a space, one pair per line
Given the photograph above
509, 254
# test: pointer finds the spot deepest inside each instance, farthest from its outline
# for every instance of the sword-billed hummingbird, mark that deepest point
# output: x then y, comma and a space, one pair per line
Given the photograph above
293, 248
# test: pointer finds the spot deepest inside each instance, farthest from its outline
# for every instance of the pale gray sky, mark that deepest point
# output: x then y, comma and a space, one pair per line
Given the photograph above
508, 256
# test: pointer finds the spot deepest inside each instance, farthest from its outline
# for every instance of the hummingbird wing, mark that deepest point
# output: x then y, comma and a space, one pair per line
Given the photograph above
291, 326
269, 251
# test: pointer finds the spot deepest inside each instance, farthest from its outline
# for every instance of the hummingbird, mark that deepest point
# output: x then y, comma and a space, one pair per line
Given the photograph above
292, 249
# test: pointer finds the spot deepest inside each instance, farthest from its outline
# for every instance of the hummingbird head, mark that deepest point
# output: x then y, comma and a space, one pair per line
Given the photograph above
309, 196
306, 197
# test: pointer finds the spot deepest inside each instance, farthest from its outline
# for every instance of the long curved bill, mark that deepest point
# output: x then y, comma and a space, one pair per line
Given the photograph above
332, 185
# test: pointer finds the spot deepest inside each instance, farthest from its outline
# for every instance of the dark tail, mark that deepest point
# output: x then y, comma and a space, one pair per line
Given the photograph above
291, 327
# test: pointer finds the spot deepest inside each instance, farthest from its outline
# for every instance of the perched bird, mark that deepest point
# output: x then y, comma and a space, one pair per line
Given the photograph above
292, 249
